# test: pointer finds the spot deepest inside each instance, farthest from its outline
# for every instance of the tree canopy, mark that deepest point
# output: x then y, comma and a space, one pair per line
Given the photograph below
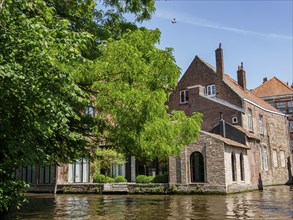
133, 80
56, 57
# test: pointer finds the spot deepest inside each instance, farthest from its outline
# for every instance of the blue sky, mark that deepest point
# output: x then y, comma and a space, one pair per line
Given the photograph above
257, 33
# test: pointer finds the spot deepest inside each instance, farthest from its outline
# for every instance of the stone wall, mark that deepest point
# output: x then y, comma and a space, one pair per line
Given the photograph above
274, 137
213, 154
238, 185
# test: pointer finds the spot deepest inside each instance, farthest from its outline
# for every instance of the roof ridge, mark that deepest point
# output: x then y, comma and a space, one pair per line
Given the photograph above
246, 93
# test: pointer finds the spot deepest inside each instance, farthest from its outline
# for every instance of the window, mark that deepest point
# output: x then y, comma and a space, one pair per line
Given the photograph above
234, 120
275, 159
283, 110
241, 167
281, 104
78, 172
290, 104
265, 158
211, 90
261, 128
197, 167
47, 175
282, 158
233, 164
90, 111
250, 125
183, 96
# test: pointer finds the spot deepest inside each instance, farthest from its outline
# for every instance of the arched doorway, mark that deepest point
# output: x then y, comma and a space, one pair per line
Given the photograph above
197, 167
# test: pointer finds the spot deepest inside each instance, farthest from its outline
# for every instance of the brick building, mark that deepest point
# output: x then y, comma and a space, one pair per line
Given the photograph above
248, 144
280, 95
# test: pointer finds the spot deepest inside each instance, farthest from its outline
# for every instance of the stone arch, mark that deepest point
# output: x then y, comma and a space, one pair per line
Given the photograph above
197, 167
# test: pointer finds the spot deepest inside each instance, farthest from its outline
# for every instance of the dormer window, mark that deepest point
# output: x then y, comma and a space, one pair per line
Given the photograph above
183, 96
211, 90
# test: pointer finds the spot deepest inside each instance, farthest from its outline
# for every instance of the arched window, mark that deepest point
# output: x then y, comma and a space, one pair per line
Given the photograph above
241, 167
233, 163
197, 167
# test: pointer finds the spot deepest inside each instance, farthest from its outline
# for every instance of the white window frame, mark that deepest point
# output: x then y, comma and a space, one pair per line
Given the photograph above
261, 126
250, 120
265, 158
211, 90
183, 96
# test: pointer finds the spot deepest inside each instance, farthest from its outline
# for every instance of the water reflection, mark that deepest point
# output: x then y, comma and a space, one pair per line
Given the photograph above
271, 203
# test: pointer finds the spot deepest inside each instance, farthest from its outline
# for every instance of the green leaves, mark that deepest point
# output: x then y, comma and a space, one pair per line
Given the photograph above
134, 80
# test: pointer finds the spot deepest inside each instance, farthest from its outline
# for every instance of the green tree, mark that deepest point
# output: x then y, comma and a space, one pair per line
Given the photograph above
132, 81
41, 106
57, 54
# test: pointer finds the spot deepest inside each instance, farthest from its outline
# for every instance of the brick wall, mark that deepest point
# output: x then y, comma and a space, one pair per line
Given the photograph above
199, 73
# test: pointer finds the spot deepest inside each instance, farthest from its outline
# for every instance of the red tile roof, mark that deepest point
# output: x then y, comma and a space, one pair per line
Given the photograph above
272, 87
247, 94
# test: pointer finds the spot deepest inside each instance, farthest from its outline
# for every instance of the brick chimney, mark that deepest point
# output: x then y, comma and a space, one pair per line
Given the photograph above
219, 61
241, 77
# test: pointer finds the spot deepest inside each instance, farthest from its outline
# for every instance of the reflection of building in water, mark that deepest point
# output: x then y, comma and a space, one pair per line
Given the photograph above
238, 207
72, 207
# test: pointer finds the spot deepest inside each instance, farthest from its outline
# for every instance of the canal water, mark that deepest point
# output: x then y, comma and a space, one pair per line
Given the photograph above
271, 203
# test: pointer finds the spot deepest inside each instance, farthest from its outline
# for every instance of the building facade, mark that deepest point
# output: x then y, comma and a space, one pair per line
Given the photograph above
280, 95
248, 120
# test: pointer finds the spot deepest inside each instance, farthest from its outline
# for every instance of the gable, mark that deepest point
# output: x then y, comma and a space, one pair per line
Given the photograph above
198, 73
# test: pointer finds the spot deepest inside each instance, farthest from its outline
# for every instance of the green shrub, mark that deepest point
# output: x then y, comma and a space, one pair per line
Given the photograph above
120, 179
150, 179
110, 179
161, 178
100, 178
144, 179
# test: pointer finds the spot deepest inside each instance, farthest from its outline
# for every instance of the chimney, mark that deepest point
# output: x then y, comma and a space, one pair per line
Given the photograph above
265, 79
219, 61
241, 76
